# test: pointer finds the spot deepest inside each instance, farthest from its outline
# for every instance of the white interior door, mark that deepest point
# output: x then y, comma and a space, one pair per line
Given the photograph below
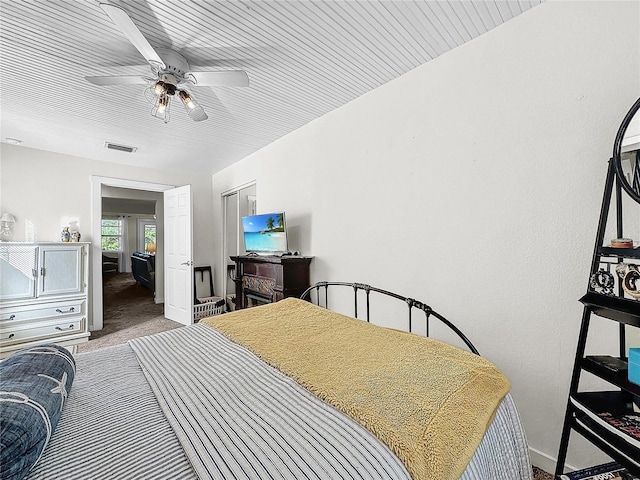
178, 261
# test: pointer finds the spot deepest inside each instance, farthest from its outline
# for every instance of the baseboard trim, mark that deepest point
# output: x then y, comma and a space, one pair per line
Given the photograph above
546, 462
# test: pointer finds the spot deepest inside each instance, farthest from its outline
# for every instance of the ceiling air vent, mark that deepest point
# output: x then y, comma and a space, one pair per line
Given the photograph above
120, 148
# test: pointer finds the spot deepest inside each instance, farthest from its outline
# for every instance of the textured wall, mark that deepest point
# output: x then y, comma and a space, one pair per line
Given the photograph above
475, 182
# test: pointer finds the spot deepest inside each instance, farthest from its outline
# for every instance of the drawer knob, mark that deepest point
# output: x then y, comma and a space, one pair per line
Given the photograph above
70, 327
68, 311
11, 335
12, 317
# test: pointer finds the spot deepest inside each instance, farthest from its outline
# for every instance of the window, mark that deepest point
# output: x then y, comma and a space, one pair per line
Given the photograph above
111, 235
147, 235
150, 238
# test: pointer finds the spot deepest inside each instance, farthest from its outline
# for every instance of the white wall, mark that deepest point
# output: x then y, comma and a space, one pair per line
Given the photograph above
474, 182
50, 190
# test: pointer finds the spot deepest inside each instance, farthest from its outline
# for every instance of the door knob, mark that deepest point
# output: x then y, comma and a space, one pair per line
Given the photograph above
188, 263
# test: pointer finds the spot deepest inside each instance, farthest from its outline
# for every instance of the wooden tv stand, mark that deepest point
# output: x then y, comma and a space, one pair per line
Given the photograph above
266, 279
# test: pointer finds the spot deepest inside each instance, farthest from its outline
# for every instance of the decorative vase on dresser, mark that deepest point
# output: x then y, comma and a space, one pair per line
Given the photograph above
44, 295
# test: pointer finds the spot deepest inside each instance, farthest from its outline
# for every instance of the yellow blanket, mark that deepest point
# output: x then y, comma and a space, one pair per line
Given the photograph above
431, 403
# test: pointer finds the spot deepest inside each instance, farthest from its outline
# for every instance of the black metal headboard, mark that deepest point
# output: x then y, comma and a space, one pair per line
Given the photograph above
411, 303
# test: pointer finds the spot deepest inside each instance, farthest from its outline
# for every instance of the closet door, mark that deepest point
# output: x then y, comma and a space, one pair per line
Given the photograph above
239, 202
60, 270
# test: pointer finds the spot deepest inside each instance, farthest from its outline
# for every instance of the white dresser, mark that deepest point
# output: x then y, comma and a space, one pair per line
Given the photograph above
44, 294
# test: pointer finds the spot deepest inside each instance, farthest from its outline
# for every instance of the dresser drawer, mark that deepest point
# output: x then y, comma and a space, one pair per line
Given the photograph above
19, 333
42, 311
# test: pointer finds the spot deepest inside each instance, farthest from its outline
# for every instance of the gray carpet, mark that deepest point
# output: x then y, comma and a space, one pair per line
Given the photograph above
130, 312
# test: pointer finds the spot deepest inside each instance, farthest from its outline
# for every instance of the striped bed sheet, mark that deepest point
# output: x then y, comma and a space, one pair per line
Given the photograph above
112, 426
189, 404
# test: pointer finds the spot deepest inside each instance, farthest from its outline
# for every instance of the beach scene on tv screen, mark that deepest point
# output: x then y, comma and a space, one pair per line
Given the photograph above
264, 233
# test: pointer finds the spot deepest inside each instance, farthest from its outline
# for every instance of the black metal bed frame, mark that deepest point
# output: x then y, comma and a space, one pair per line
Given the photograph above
411, 303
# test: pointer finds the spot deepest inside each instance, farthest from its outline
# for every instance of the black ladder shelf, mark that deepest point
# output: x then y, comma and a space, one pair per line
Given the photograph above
608, 297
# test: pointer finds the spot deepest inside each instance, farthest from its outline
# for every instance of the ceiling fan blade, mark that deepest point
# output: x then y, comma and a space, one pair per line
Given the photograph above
129, 29
118, 80
225, 78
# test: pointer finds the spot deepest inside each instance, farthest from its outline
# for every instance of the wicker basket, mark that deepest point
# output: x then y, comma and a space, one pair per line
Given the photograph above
208, 309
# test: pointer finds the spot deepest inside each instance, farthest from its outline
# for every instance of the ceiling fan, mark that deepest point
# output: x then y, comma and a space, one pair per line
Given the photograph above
170, 72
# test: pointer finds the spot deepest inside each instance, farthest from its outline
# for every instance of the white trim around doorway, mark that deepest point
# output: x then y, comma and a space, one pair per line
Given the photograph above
95, 286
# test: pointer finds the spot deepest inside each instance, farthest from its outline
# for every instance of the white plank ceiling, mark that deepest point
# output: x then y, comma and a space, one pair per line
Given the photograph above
303, 58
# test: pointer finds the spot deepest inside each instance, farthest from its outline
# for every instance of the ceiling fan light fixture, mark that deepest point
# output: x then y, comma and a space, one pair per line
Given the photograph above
195, 111
187, 100
198, 114
161, 107
159, 88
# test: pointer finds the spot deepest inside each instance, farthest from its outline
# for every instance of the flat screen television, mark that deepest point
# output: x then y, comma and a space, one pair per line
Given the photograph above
265, 234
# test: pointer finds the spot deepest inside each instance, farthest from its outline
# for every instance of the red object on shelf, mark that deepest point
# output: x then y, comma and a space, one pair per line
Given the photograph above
622, 243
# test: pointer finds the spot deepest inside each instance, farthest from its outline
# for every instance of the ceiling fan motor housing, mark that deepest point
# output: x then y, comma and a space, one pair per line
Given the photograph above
175, 65
170, 83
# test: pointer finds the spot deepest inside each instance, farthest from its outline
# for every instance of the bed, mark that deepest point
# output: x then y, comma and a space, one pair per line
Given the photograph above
285, 391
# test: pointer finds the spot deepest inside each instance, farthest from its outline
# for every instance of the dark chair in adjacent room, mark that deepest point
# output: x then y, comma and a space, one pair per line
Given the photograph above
143, 268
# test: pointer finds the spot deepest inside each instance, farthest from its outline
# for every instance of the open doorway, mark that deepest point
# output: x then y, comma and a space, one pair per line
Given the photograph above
129, 236
135, 188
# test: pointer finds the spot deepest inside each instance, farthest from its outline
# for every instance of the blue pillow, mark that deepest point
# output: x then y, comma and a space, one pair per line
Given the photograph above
34, 383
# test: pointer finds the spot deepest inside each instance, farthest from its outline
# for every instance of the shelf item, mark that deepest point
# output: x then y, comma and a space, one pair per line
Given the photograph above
634, 366
612, 411
589, 430
609, 419
43, 295
614, 364
612, 470
619, 379
622, 243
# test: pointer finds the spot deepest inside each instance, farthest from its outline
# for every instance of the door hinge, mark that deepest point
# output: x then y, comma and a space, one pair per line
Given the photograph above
42, 271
